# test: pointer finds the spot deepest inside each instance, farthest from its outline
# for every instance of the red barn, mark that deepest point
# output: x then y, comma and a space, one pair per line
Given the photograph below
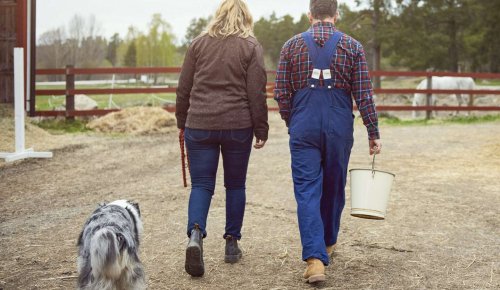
13, 33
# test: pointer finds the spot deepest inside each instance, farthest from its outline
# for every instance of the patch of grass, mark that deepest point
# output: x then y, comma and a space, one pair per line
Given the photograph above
387, 119
474, 119
488, 82
123, 100
63, 126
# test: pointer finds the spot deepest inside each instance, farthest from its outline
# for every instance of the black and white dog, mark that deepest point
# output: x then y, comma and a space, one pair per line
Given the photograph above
108, 249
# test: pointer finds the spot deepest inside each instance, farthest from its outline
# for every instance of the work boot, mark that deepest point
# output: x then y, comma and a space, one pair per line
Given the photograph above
194, 254
331, 249
233, 253
315, 271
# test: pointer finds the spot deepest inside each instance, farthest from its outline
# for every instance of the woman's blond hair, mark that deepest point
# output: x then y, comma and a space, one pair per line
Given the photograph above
232, 18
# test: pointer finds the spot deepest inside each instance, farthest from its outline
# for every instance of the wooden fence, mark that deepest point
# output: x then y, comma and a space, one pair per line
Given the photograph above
70, 91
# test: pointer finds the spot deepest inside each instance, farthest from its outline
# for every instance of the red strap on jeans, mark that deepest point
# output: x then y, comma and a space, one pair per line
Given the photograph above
183, 156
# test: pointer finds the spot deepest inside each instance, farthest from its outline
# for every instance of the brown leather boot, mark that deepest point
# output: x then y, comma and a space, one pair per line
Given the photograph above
331, 249
315, 271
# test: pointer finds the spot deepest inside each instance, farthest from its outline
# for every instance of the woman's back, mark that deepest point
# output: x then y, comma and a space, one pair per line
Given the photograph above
223, 83
219, 98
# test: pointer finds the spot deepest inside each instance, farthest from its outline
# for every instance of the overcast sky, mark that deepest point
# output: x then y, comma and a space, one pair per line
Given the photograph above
117, 15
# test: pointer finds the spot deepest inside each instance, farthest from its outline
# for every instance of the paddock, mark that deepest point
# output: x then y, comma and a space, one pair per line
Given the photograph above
442, 229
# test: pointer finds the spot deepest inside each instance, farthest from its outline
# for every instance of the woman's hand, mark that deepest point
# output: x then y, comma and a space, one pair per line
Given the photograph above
259, 144
375, 146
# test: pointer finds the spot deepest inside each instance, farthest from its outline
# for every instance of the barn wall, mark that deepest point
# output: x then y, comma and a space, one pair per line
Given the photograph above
10, 14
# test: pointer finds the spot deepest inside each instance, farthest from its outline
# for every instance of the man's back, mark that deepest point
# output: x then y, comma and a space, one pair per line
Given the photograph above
349, 72
301, 65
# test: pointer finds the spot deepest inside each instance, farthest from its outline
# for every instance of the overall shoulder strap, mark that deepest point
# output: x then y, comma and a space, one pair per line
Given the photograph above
321, 57
312, 48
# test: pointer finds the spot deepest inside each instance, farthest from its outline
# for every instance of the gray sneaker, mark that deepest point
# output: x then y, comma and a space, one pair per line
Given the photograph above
233, 253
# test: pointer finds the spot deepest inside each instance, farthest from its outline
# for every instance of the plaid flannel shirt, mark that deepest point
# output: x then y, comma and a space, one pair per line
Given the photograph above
349, 72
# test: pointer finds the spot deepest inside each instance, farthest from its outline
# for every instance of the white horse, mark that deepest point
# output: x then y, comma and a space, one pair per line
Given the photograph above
443, 83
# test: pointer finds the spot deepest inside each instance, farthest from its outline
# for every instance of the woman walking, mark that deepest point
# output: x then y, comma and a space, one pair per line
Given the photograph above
221, 105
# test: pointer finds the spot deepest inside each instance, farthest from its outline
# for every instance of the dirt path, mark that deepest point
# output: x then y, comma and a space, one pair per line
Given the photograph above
442, 230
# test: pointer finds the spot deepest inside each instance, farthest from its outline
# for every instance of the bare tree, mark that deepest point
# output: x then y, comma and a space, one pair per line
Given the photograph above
52, 51
76, 34
88, 48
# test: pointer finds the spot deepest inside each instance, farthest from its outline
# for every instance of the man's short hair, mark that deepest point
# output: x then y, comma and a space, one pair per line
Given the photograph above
321, 9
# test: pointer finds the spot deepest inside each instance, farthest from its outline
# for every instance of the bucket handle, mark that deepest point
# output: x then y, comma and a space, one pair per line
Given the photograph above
373, 164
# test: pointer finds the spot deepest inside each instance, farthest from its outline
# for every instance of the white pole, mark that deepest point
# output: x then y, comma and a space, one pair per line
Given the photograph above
19, 98
19, 114
110, 101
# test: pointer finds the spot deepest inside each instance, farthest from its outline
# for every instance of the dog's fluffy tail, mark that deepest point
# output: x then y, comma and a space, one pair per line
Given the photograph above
105, 255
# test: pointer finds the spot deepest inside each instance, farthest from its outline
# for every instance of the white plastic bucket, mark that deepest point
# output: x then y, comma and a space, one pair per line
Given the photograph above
370, 190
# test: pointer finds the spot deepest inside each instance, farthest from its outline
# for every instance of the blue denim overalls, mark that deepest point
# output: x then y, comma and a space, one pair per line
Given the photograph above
321, 138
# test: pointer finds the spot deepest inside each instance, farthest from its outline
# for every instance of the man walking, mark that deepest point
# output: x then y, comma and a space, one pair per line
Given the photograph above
320, 72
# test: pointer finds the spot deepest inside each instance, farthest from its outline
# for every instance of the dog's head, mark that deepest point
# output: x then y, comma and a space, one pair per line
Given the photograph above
136, 206
134, 211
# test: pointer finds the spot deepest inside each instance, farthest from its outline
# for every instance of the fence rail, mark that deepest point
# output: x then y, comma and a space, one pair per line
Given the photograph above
70, 91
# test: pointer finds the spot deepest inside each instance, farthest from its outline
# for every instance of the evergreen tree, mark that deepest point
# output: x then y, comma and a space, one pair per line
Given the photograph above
112, 51
273, 32
195, 28
130, 59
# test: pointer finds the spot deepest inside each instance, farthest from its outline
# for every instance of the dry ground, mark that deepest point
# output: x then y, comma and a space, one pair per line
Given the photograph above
442, 229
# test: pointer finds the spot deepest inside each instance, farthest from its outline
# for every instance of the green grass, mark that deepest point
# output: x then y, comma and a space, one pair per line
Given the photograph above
122, 100
386, 119
488, 82
44, 103
63, 126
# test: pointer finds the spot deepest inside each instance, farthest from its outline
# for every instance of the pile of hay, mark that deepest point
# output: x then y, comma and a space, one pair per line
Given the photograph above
135, 121
35, 136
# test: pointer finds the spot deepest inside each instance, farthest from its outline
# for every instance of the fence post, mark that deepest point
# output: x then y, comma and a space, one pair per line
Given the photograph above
471, 100
429, 98
70, 97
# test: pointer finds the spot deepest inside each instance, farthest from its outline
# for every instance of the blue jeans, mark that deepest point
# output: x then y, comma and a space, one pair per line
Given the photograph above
204, 147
